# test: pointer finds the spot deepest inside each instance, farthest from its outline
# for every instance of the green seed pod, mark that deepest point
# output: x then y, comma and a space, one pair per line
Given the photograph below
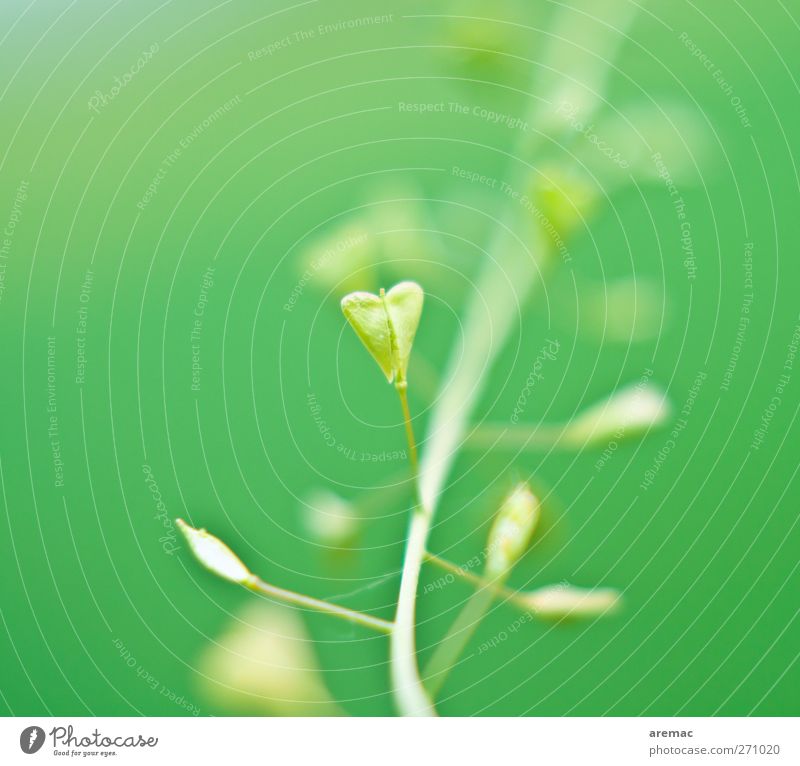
512, 530
386, 325
629, 412
558, 602
213, 554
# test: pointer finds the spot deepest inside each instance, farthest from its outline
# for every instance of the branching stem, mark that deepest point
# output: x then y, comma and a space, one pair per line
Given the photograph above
497, 588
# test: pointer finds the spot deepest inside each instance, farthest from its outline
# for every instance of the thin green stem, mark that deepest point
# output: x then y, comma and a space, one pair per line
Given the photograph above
257, 585
402, 390
450, 647
409, 692
499, 590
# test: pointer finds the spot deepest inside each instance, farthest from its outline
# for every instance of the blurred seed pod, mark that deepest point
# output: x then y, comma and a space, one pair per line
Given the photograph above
342, 257
390, 236
557, 602
626, 310
629, 412
512, 530
263, 664
329, 519
563, 200
487, 42
651, 139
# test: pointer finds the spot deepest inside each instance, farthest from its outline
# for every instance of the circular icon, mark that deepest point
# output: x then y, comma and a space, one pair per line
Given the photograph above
31, 739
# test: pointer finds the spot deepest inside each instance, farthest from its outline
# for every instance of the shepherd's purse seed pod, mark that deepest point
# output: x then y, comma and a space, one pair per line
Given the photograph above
213, 554
512, 530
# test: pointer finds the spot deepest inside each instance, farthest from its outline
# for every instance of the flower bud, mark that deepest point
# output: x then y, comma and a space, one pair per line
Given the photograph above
213, 554
512, 530
557, 602
387, 324
629, 412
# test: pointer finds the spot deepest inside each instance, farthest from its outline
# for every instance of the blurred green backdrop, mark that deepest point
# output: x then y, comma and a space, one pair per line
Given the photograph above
167, 168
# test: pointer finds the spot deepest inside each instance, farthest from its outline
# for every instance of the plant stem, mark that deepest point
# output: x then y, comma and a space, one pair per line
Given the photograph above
499, 590
402, 391
257, 585
410, 694
514, 268
451, 646
516, 265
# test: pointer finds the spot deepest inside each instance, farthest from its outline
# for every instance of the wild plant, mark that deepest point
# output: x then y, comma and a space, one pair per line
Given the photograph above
549, 202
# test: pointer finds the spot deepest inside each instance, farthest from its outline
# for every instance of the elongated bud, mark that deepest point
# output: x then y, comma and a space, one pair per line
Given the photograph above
387, 324
213, 554
557, 602
629, 412
512, 530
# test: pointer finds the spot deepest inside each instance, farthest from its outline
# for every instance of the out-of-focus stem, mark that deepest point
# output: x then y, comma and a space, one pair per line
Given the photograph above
499, 590
515, 267
410, 694
450, 647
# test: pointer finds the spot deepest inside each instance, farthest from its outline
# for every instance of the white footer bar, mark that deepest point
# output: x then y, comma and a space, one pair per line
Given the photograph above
410, 742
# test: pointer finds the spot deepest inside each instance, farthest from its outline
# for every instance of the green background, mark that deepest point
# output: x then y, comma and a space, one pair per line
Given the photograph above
707, 556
